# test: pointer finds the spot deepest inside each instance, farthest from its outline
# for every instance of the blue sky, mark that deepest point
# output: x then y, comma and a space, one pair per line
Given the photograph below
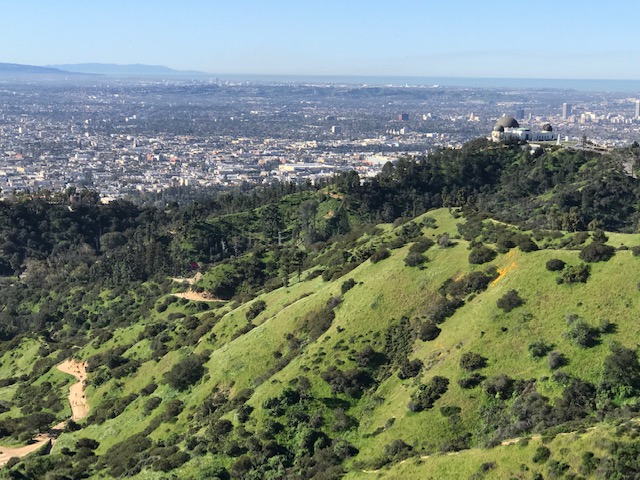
479, 38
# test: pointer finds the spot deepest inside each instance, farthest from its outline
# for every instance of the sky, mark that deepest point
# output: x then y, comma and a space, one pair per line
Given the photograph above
451, 38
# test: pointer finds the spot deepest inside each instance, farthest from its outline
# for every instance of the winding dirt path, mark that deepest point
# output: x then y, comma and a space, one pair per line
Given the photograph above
79, 409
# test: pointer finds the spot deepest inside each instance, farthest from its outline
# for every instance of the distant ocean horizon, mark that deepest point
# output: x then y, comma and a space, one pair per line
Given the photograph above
596, 85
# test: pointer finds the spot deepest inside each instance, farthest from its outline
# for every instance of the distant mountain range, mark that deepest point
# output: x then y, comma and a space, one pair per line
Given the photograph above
16, 69
115, 69
19, 69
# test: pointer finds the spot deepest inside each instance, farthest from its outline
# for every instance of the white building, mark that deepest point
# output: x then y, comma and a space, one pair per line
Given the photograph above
508, 128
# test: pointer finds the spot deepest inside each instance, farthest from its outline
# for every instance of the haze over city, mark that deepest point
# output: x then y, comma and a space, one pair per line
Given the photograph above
463, 38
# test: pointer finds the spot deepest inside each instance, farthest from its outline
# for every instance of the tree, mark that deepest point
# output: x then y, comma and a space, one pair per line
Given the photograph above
510, 300
621, 372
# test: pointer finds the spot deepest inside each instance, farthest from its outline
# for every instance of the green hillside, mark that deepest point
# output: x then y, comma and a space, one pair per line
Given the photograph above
318, 344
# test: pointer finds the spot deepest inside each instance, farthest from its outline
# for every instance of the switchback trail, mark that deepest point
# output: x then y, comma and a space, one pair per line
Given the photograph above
79, 409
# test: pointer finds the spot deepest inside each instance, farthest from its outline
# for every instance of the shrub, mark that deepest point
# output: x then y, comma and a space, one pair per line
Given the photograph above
413, 259
621, 372
597, 252
575, 274
481, 254
422, 245
428, 394
472, 361
443, 309
539, 348
255, 309
471, 381
556, 360
555, 265
509, 301
582, 334
186, 372
380, 254
428, 331
444, 241
347, 285
636, 250
541, 454
151, 405
500, 386
409, 369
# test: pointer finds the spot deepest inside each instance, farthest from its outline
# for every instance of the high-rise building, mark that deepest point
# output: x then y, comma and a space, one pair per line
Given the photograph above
566, 111
637, 109
403, 117
520, 114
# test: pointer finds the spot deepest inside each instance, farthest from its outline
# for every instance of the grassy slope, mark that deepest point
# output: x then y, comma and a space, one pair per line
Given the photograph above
387, 291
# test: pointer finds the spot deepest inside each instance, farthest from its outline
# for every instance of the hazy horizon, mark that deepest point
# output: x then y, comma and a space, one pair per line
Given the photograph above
461, 38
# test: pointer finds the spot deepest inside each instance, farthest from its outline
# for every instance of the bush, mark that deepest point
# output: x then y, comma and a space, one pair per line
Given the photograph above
481, 254
597, 252
428, 394
575, 274
413, 259
255, 309
347, 285
500, 386
380, 254
582, 334
186, 372
555, 265
636, 250
151, 405
428, 331
509, 301
556, 360
422, 245
409, 369
443, 309
471, 381
472, 361
539, 348
621, 372
541, 455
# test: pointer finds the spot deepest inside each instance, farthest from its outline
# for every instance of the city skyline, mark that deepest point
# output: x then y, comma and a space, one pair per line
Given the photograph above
576, 40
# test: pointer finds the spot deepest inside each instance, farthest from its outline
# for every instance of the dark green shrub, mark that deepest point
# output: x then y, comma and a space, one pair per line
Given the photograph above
500, 386
575, 274
413, 259
428, 331
621, 372
347, 285
472, 361
380, 254
509, 301
556, 360
555, 265
255, 309
151, 404
481, 254
582, 334
422, 245
428, 394
541, 454
409, 369
473, 380
443, 309
597, 252
636, 250
539, 348
186, 372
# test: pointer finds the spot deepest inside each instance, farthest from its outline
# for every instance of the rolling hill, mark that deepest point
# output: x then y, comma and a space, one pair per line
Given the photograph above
452, 344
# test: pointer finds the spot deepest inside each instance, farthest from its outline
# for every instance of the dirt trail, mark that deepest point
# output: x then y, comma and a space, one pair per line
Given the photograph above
197, 297
77, 397
79, 409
